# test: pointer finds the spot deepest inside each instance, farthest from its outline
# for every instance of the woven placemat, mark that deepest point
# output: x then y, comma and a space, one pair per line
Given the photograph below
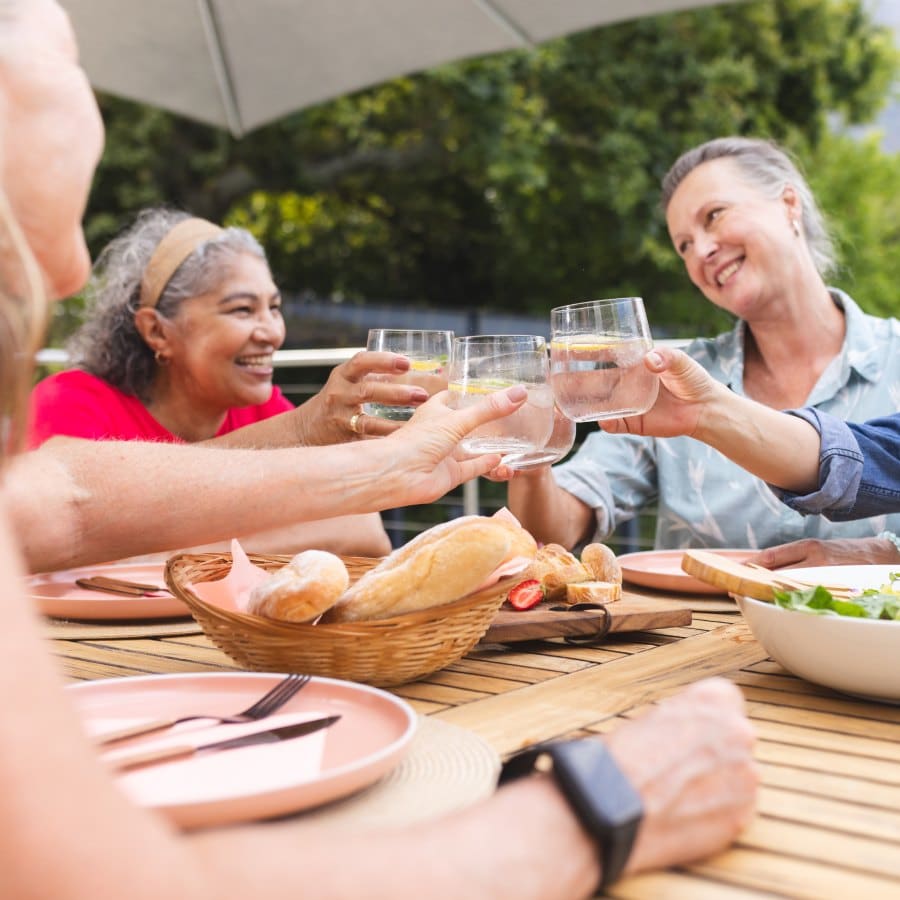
447, 768
65, 630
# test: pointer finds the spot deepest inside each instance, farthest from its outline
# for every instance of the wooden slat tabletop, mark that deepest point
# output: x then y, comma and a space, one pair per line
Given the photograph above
828, 822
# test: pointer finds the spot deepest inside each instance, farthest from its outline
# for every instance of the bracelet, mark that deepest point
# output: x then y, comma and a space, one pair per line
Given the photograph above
890, 536
601, 797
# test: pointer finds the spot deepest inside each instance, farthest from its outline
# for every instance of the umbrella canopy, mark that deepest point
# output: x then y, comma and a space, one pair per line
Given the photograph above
242, 63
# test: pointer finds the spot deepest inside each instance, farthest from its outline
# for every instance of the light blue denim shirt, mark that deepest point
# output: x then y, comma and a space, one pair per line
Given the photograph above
705, 500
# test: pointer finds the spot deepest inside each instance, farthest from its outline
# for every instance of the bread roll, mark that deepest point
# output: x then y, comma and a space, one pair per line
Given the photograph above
555, 583
601, 562
549, 558
300, 592
442, 564
593, 592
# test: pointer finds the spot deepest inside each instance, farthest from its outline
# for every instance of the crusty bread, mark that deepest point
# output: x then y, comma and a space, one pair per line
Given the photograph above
556, 568
555, 583
442, 564
593, 592
554, 563
301, 591
601, 562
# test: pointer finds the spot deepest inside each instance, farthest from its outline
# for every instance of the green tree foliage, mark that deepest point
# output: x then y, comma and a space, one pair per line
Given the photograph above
529, 179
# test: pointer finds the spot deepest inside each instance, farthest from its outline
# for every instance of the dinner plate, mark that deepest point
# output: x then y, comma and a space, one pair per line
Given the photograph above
258, 781
661, 569
56, 594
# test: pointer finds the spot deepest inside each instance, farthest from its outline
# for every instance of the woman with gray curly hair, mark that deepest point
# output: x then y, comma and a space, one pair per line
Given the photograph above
753, 240
183, 319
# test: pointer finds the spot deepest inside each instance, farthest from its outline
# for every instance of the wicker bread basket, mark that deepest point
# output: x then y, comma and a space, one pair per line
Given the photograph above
381, 652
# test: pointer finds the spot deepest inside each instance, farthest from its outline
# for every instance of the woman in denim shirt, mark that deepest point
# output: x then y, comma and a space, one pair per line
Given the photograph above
814, 462
752, 239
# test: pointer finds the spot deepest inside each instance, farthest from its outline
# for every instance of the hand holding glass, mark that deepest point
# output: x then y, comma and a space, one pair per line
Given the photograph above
597, 354
428, 352
482, 364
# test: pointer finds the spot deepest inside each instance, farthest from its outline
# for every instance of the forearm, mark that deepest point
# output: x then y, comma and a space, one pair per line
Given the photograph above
288, 429
781, 449
523, 843
76, 502
550, 513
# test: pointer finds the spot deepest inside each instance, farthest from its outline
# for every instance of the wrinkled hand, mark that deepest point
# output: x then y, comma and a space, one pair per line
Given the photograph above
328, 415
685, 390
425, 450
835, 552
691, 760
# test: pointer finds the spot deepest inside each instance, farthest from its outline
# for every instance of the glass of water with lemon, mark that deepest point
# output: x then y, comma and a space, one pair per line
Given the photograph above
482, 364
429, 355
597, 351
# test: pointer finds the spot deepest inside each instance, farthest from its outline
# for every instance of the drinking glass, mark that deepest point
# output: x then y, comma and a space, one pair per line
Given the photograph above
597, 353
482, 364
429, 354
560, 442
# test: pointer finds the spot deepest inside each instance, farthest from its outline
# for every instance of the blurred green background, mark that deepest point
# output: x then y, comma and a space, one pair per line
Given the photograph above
529, 179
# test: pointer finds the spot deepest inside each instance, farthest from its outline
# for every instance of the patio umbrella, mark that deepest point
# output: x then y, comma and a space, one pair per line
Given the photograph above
242, 63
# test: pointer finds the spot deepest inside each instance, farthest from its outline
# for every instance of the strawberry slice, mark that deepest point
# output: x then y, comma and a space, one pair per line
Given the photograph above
526, 594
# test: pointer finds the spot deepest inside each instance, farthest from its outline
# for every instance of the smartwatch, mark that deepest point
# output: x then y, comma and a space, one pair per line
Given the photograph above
602, 798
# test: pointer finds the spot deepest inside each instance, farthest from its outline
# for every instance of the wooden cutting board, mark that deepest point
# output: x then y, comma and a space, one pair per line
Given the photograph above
734, 577
748, 581
631, 613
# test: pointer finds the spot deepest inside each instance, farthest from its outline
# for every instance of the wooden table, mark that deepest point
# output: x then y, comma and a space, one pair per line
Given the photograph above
829, 806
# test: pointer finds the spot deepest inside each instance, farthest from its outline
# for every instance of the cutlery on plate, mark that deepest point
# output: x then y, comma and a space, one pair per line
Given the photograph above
120, 586
129, 759
270, 702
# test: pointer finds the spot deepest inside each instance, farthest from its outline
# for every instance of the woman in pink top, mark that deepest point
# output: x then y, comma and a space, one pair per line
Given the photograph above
183, 319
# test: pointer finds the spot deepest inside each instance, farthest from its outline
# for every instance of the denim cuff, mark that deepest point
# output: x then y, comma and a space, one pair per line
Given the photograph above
840, 467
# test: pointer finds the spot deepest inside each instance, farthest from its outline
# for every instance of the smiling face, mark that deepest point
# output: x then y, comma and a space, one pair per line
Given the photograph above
219, 346
52, 139
739, 246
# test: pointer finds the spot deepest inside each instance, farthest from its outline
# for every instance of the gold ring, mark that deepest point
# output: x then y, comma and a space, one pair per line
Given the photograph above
354, 423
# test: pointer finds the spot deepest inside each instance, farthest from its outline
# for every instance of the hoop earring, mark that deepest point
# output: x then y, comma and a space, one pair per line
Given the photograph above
796, 225
160, 359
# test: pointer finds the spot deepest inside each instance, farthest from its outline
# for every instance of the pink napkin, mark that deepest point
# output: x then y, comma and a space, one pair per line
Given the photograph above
233, 591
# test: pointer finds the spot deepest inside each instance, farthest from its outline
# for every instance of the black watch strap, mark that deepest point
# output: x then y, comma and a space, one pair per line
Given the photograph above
602, 798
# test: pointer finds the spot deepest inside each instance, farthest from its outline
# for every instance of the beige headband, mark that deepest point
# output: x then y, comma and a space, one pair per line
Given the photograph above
170, 253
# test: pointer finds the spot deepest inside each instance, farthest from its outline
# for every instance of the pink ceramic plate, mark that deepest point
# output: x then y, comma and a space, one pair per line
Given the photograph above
259, 781
661, 569
56, 594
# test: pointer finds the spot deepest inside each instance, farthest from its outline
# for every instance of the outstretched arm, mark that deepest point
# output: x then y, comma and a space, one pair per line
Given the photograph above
783, 450
74, 502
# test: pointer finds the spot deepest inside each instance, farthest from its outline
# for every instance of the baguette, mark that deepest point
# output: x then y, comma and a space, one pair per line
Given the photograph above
445, 563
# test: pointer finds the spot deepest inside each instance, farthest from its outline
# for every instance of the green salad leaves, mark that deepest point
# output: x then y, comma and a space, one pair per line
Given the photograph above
881, 603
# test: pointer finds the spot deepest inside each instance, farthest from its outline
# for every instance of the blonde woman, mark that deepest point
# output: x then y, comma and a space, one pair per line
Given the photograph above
754, 242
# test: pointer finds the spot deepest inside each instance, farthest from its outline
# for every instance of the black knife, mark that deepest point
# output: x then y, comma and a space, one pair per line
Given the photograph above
129, 759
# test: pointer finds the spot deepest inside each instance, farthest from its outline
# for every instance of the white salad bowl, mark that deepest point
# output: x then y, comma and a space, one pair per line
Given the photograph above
855, 656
